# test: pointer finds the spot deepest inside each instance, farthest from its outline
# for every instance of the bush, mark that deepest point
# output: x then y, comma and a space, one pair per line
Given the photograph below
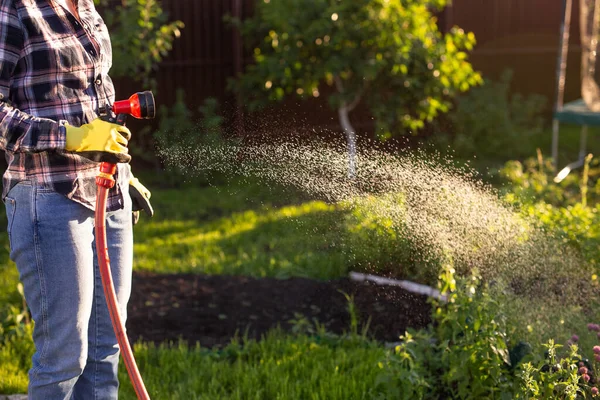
379, 241
532, 180
16, 346
568, 210
491, 124
142, 29
465, 354
180, 132
554, 377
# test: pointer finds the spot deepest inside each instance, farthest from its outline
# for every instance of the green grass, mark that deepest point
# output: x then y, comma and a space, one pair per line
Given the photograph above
281, 366
241, 228
277, 367
16, 349
203, 231
248, 228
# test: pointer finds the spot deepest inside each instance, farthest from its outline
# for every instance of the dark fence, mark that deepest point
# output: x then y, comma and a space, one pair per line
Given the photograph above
522, 35
518, 34
203, 58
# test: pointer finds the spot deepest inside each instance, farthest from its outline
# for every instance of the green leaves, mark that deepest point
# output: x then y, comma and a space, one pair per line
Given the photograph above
490, 122
463, 355
387, 53
139, 28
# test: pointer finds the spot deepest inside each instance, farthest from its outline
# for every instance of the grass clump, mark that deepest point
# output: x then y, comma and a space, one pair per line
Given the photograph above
277, 367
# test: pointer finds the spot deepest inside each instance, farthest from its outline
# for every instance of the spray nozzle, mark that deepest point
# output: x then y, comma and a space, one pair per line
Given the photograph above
139, 105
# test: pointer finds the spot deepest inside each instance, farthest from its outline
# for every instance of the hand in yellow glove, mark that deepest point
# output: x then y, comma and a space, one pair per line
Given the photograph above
140, 199
99, 141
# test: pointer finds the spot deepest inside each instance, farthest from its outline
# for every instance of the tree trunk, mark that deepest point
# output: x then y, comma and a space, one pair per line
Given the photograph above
350, 139
349, 131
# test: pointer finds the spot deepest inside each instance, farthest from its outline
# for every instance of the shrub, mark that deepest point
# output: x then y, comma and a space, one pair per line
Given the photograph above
532, 180
553, 377
379, 241
467, 354
491, 124
567, 210
142, 29
464, 354
181, 131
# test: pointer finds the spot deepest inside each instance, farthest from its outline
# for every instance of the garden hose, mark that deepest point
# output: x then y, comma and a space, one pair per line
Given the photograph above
140, 105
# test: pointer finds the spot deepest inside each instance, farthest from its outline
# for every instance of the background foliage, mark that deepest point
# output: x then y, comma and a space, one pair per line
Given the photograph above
493, 124
141, 36
387, 55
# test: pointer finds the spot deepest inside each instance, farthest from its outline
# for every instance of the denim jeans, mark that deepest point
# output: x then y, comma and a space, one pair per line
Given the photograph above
52, 244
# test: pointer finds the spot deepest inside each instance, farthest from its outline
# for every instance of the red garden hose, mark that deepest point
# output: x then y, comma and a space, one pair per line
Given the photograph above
105, 181
140, 105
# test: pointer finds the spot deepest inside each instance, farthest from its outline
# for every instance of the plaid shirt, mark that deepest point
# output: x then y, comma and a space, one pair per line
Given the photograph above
53, 70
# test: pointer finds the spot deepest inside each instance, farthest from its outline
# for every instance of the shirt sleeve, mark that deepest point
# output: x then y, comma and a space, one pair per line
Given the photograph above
19, 131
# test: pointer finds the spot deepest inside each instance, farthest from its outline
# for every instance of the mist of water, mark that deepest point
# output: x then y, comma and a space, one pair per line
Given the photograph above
445, 213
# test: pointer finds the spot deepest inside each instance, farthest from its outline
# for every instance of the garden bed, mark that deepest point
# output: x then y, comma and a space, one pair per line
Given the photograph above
211, 310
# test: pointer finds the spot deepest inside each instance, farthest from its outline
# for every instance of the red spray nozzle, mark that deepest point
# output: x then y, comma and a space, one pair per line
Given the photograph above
139, 105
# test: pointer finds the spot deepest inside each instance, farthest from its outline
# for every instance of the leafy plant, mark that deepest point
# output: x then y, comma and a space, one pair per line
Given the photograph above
181, 131
16, 343
176, 125
532, 180
553, 377
490, 123
387, 55
211, 122
17, 319
568, 209
465, 354
179, 126
141, 37
564, 372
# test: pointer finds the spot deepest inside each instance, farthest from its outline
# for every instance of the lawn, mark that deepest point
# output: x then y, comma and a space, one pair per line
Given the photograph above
278, 367
234, 230
242, 228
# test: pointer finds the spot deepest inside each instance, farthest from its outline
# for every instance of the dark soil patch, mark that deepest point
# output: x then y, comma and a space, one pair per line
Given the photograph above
211, 310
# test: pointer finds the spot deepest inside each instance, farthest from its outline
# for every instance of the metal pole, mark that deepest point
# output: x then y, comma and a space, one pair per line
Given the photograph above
561, 69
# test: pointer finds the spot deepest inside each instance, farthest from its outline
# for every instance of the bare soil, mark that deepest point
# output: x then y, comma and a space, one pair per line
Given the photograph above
211, 310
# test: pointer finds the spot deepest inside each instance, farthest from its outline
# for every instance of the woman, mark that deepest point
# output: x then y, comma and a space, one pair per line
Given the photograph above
54, 63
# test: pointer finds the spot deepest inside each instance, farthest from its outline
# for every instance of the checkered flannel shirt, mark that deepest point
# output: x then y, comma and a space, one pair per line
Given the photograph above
53, 70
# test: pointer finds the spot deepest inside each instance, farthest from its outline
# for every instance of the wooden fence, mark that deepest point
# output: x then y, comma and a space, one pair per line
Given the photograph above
518, 34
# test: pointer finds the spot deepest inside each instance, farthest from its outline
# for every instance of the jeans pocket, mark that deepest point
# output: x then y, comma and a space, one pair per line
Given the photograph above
11, 208
10, 203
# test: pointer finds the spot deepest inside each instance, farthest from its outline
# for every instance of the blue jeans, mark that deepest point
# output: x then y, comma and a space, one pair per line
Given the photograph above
52, 243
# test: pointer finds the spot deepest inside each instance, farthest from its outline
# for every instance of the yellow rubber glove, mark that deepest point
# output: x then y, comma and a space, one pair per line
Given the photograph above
99, 141
140, 199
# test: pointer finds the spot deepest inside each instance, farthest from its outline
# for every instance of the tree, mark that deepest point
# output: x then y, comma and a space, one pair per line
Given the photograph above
141, 37
386, 54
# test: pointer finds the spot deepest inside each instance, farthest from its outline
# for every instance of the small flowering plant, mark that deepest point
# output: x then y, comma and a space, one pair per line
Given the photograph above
467, 354
554, 377
464, 354
572, 376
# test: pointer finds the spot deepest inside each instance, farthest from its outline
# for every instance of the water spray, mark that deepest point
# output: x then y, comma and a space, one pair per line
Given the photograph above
141, 106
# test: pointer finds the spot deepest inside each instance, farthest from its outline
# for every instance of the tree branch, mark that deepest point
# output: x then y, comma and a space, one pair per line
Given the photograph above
357, 100
340, 87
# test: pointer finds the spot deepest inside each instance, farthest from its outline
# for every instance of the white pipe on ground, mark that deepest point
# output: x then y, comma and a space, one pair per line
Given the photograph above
409, 286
